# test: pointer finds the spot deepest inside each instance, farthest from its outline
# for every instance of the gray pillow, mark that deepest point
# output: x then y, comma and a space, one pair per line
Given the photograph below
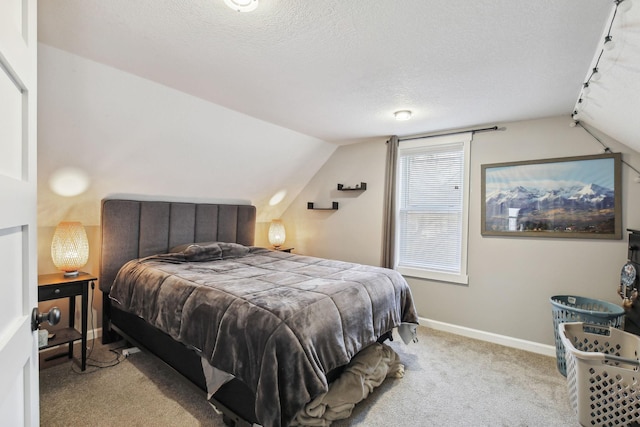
208, 251
233, 250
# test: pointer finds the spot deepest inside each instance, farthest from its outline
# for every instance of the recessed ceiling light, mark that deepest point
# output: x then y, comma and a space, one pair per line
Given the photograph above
242, 5
402, 115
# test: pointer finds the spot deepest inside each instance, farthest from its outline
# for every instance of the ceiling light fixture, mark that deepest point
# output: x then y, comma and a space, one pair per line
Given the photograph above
242, 5
402, 115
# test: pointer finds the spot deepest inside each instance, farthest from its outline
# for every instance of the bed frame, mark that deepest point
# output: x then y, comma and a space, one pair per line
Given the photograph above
133, 229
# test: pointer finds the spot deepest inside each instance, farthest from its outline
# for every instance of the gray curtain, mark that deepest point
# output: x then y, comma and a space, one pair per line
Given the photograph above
388, 243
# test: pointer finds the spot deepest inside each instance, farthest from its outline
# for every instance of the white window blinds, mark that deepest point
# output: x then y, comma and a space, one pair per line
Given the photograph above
432, 203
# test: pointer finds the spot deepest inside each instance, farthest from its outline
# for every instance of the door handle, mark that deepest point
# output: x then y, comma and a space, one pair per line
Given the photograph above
52, 317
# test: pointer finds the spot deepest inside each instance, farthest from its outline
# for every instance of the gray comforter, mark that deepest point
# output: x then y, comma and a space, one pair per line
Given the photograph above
277, 321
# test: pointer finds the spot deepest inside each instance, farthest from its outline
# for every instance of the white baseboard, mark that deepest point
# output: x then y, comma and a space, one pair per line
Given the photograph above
534, 347
94, 333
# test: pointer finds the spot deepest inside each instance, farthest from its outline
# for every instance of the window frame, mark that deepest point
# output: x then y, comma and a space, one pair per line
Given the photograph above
425, 273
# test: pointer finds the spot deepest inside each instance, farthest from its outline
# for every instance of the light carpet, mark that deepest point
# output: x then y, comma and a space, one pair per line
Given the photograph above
449, 380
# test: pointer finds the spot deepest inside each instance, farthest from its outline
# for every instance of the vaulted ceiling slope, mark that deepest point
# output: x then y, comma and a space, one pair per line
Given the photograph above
337, 70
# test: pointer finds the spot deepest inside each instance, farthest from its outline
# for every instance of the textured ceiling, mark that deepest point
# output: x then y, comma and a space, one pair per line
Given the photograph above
337, 69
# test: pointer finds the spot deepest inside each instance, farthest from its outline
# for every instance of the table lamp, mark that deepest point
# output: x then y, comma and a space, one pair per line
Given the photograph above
276, 233
70, 247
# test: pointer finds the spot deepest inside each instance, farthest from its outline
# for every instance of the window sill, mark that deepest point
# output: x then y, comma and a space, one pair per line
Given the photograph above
459, 279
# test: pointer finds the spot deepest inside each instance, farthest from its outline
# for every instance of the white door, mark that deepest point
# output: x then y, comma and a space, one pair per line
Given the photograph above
19, 396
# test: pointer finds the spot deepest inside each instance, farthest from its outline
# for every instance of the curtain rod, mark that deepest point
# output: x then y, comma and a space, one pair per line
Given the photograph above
450, 133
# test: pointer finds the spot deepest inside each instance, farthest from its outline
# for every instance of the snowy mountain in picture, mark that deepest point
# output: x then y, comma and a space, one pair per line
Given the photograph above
585, 208
588, 196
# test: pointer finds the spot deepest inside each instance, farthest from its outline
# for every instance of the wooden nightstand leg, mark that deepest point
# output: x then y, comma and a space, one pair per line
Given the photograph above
72, 321
85, 307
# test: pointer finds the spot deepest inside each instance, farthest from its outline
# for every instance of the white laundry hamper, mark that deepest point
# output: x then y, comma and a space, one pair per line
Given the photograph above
570, 308
602, 373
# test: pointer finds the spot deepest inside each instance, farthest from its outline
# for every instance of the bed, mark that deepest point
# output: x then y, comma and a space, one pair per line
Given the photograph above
262, 331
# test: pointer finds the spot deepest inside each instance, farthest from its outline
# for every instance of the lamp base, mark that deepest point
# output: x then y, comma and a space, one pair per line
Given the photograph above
71, 273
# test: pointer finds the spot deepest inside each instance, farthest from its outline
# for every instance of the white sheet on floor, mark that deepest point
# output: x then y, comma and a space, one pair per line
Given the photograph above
365, 372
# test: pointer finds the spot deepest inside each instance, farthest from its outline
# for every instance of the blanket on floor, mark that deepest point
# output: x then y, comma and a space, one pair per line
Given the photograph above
366, 371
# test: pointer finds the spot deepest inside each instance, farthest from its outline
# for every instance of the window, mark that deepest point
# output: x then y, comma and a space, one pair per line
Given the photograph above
433, 193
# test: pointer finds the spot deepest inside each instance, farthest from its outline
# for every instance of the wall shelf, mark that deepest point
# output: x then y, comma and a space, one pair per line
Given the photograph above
359, 187
334, 207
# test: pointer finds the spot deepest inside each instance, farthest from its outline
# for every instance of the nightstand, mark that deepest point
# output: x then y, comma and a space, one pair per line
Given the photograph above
56, 286
281, 249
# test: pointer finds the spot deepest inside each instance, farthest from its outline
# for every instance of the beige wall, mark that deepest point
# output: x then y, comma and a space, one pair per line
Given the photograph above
510, 279
353, 232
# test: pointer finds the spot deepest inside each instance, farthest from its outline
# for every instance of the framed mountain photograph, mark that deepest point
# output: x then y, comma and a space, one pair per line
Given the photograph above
573, 197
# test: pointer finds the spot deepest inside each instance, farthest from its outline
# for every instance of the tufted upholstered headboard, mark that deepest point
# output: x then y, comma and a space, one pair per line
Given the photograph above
135, 228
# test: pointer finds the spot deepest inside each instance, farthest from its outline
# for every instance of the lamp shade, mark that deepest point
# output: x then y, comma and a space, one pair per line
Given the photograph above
70, 247
276, 233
